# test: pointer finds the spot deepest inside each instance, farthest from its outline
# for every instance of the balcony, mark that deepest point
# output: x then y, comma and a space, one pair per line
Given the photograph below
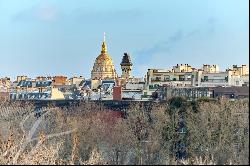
157, 79
214, 80
152, 87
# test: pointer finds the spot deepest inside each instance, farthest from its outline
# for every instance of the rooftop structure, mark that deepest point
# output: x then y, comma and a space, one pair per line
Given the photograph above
126, 66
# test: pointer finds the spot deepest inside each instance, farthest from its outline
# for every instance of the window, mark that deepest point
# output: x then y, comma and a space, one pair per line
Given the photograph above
205, 78
189, 77
181, 78
166, 78
158, 78
226, 78
153, 86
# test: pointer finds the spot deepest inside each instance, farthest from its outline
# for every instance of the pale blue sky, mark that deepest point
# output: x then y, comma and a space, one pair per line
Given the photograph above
63, 37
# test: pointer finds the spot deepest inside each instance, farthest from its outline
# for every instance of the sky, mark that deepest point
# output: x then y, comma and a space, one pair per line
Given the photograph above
63, 37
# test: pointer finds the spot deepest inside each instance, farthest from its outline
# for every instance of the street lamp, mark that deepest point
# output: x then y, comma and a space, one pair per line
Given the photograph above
100, 93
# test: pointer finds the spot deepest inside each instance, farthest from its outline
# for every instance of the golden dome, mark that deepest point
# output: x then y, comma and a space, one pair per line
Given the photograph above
103, 67
104, 57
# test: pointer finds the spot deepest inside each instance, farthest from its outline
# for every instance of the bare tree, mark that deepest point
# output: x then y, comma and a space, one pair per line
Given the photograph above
220, 130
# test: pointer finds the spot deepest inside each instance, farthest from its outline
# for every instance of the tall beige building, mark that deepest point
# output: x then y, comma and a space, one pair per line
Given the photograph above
211, 68
103, 67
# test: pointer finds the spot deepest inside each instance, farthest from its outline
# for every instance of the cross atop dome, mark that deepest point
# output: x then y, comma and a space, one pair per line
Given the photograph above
104, 37
104, 46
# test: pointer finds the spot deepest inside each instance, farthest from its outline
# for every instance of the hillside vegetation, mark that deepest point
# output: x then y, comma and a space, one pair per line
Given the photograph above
173, 132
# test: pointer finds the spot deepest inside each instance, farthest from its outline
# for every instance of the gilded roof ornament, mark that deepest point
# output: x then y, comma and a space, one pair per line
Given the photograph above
104, 46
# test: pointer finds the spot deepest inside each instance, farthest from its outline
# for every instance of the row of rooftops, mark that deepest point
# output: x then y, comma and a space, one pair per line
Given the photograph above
44, 81
24, 77
34, 84
205, 68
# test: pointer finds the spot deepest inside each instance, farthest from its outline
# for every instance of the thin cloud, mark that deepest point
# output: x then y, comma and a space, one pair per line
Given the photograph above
209, 29
37, 13
193, 33
121, 15
211, 25
146, 55
47, 13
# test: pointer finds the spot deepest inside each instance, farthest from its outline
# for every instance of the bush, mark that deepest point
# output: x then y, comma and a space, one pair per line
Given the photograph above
177, 102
